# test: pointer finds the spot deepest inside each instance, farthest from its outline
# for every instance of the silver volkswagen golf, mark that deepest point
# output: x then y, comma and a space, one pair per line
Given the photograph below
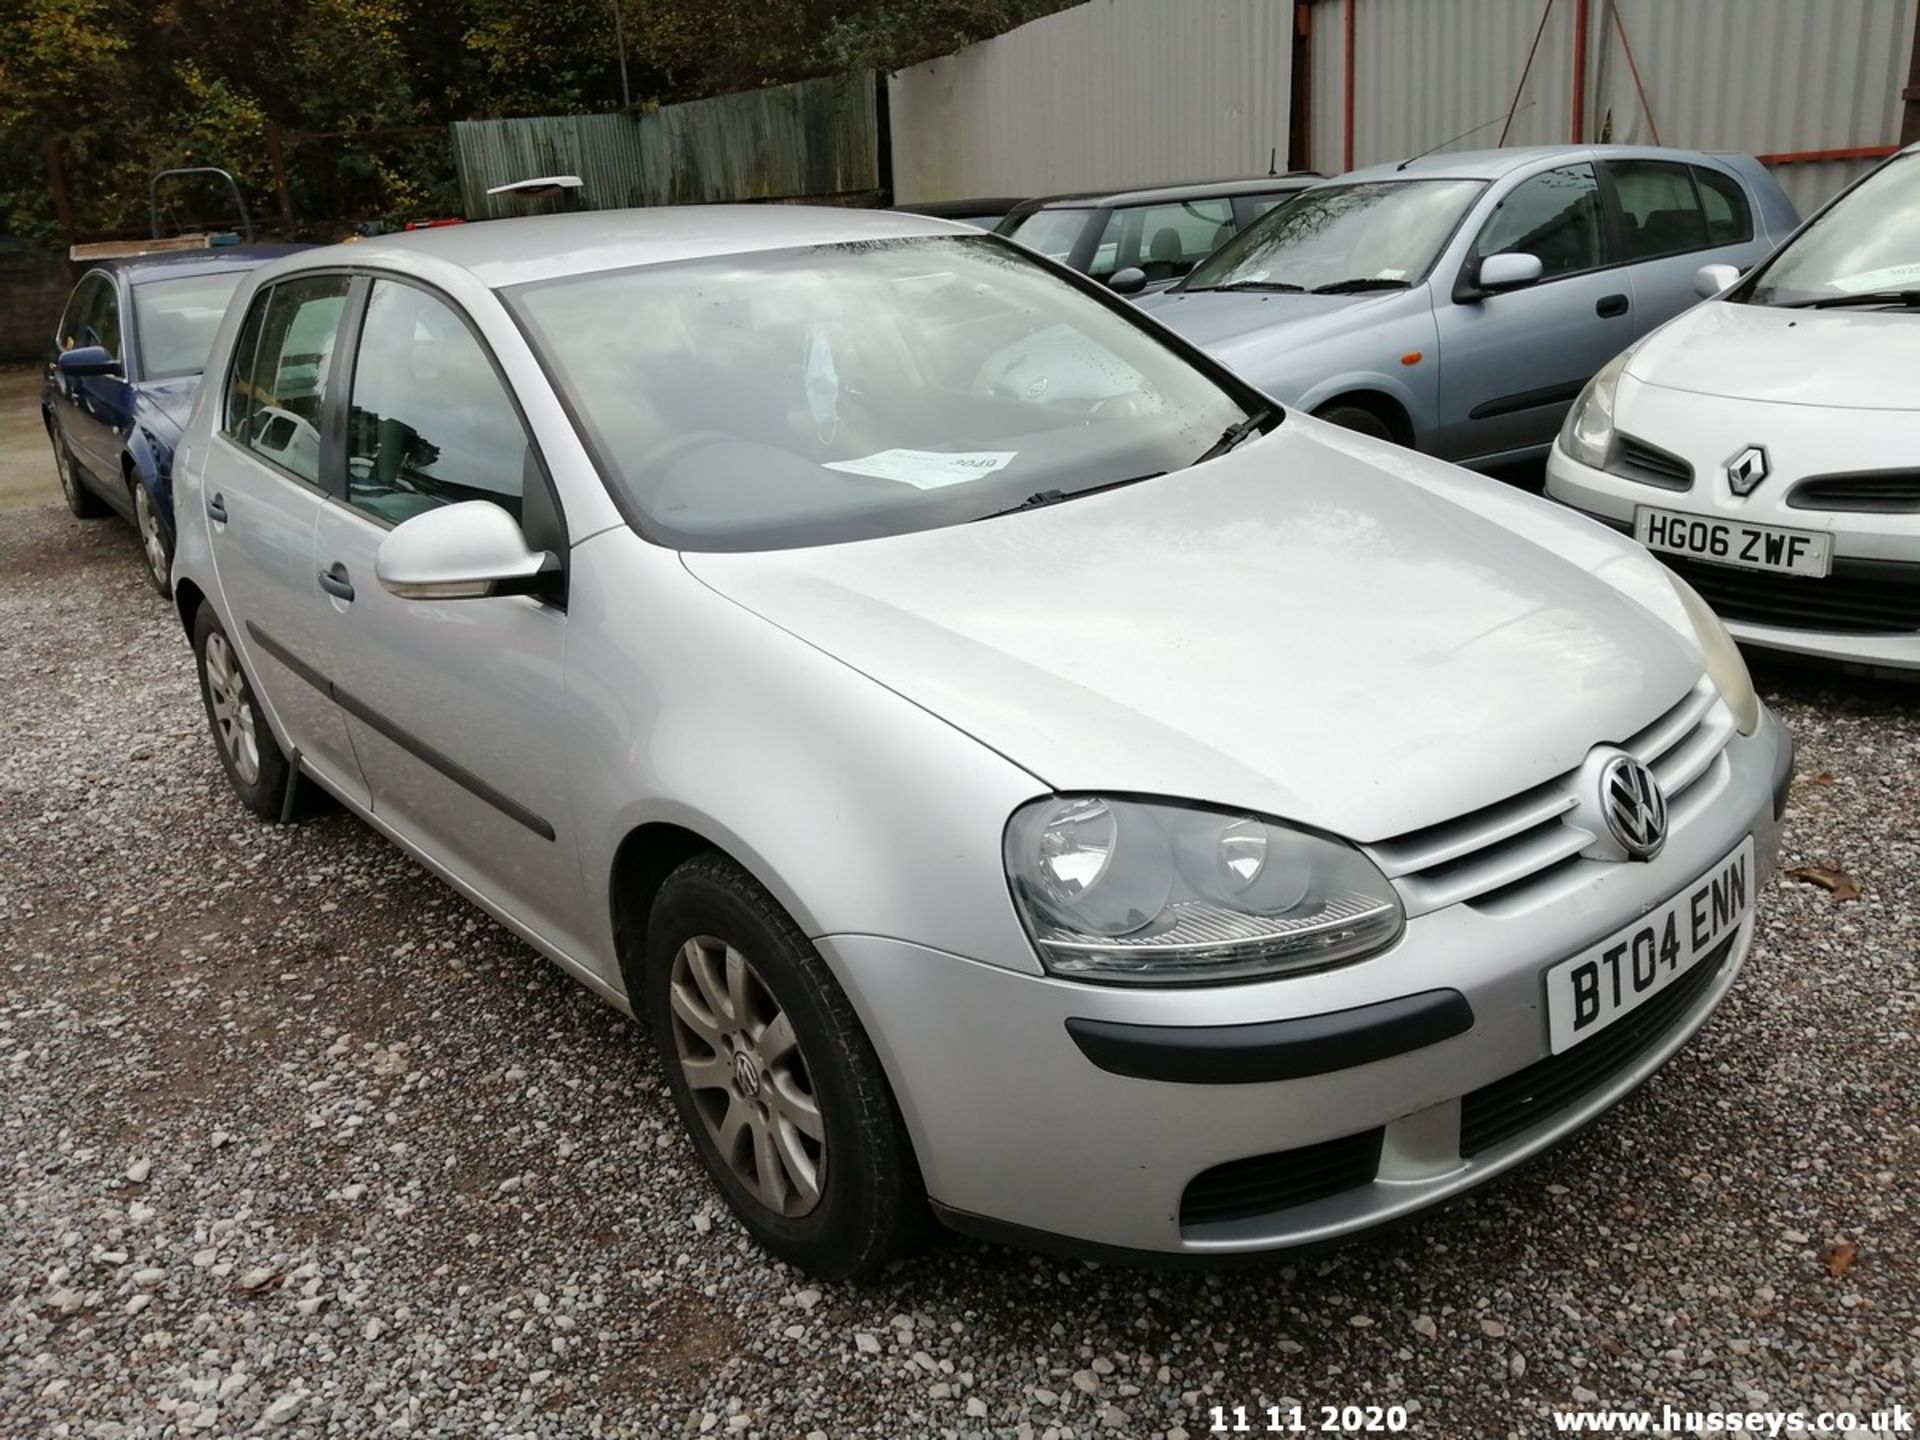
1099, 807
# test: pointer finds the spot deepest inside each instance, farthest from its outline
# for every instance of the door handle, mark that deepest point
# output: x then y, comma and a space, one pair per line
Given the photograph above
1610, 306
335, 581
217, 509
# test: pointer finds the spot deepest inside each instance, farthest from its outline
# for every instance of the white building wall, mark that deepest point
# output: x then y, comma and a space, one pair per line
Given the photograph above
1109, 93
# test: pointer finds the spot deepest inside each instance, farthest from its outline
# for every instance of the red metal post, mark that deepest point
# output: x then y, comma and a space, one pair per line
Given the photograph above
1300, 132
1525, 71
1910, 97
1347, 98
1580, 16
1813, 157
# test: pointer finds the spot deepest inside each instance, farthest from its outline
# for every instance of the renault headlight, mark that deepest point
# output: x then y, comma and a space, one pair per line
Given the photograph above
1157, 893
1588, 432
1724, 662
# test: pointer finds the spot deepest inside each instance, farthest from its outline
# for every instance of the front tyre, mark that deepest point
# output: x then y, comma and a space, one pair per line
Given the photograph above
774, 1078
156, 541
256, 768
1356, 418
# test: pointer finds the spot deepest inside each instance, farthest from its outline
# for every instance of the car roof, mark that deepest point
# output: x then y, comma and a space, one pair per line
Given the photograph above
170, 264
500, 253
945, 209
1154, 194
1492, 164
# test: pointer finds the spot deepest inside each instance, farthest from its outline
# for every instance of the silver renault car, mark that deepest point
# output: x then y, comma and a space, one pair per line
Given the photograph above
1101, 809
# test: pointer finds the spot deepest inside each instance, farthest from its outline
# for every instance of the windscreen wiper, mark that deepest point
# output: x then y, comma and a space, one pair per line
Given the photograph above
1042, 498
1358, 284
1282, 287
1234, 434
1908, 298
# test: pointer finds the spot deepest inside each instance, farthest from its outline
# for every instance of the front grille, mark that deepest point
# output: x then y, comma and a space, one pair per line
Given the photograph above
1262, 1184
1860, 597
1874, 492
1524, 1099
1633, 459
1498, 853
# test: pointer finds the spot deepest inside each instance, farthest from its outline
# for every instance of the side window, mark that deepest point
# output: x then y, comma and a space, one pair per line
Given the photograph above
299, 325
92, 316
1554, 215
1729, 217
240, 376
1164, 240
1659, 208
430, 422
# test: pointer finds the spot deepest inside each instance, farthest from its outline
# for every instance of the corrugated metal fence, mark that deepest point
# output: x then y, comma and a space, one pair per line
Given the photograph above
1790, 79
1116, 92
818, 139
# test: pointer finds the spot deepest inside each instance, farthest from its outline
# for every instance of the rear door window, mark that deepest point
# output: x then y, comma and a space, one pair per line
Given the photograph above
293, 350
1660, 210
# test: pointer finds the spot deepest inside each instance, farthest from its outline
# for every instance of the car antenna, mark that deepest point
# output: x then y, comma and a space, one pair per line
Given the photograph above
1461, 136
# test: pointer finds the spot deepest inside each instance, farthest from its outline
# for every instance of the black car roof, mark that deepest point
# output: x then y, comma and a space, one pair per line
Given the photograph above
1154, 194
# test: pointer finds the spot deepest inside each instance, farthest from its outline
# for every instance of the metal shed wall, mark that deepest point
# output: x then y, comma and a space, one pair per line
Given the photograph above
1114, 92
1769, 77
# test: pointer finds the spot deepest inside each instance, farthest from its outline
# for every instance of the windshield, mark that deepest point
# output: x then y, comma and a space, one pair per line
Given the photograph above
1380, 234
1867, 244
175, 321
802, 397
1051, 232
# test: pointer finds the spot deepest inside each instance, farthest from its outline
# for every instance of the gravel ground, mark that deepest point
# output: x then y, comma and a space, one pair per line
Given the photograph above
300, 1143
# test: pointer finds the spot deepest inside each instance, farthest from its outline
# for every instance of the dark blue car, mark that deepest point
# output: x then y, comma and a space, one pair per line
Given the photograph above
121, 375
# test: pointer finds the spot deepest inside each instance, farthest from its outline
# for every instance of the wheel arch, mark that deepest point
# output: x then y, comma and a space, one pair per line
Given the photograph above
642, 861
1388, 408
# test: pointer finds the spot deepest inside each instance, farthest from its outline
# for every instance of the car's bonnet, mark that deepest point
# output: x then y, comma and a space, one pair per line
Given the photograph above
1237, 323
1294, 629
1847, 359
169, 402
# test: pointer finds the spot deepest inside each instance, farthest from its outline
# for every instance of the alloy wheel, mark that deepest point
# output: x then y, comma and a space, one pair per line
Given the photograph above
152, 539
743, 1064
232, 708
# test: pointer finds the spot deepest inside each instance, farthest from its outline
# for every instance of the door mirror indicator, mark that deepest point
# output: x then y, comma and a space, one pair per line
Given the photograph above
1512, 271
1710, 280
87, 360
467, 551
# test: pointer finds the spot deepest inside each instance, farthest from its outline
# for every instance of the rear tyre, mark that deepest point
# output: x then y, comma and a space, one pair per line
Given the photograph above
156, 540
256, 768
80, 500
1357, 418
774, 1078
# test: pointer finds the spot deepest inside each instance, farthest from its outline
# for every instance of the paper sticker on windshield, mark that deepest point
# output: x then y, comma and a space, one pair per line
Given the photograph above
927, 469
1893, 277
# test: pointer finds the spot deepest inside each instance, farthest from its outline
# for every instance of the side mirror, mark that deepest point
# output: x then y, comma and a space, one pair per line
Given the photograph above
1130, 281
461, 552
87, 360
1710, 280
1510, 272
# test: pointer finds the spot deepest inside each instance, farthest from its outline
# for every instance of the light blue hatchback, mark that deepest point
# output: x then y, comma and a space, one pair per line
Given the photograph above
1458, 303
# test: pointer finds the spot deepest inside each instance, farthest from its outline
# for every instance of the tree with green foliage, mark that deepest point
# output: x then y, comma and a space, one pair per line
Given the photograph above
131, 86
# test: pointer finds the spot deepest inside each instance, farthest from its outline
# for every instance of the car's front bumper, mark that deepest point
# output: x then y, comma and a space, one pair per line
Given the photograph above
1611, 500
1021, 1133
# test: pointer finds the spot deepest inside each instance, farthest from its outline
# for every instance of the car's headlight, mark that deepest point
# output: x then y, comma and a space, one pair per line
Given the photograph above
1588, 431
1724, 662
1154, 893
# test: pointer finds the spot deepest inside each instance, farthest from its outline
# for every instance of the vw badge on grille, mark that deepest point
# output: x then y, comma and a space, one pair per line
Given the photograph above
1746, 470
1636, 811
